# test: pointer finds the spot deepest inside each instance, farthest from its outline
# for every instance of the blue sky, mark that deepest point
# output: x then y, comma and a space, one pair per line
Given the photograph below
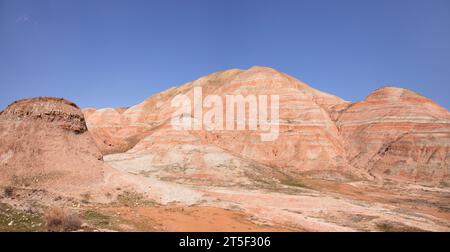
110, 53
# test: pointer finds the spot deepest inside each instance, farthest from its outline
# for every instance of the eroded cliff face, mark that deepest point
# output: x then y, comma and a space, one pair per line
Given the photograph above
393, 134
44, 144
57, 112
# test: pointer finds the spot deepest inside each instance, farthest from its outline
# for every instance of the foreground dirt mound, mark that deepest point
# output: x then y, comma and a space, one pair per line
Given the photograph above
44, 144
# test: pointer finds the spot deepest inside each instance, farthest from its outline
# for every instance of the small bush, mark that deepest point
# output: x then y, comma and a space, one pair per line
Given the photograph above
86, 197
9, 191
60, 220
97, 219
133, 199
130, 198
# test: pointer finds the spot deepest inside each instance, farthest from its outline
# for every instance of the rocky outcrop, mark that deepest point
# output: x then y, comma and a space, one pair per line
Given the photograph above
44, 144
56, 111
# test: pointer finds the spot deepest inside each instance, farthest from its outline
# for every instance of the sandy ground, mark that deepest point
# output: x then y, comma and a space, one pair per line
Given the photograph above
312, 205
186, 218
307, 205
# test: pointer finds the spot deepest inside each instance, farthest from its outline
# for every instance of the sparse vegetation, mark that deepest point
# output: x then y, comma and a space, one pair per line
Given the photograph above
61, 220
389, 226
8, 191
293, 182
444, 184
97, 219
133, 199
13, 220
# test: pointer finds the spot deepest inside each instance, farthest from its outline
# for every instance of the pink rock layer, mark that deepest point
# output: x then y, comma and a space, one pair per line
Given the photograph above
393, 134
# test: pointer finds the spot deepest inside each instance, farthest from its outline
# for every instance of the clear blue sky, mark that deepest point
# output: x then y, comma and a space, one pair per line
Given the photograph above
107, 53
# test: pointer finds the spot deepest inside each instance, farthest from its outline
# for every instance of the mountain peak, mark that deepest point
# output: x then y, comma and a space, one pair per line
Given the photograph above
392, 93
